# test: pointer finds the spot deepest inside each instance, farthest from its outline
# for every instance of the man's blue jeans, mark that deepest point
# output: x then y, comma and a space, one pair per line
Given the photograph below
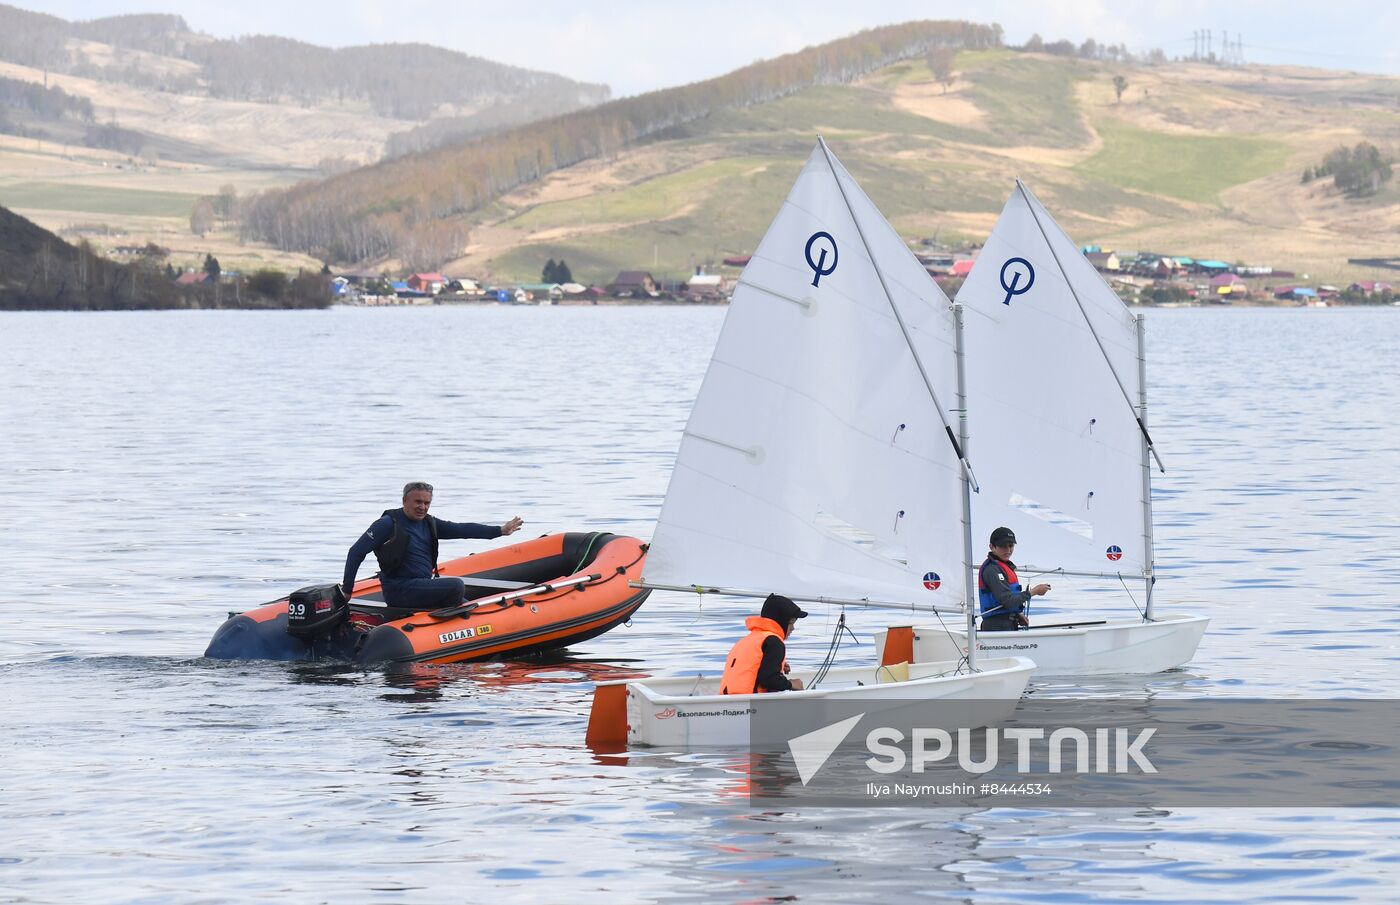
424, 593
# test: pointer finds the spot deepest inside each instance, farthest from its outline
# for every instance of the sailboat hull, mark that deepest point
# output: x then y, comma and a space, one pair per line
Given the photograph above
1114, 648
687, 712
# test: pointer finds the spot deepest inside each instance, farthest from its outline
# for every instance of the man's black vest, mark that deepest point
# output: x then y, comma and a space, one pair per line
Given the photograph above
391, 553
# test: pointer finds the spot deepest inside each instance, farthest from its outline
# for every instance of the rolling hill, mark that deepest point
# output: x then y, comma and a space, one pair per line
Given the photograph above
1195, 159
111, 129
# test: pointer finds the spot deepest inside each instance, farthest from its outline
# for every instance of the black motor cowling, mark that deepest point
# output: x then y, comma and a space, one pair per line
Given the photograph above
316, 612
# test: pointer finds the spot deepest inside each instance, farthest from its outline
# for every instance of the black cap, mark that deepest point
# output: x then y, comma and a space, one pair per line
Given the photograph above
781, 609
1003, 537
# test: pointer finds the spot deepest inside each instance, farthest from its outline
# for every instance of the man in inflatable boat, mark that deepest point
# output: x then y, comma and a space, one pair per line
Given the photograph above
999, 590
757, 663
405, 541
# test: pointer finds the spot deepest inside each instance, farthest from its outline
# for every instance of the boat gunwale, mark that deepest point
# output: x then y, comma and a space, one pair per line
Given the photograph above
1012, 665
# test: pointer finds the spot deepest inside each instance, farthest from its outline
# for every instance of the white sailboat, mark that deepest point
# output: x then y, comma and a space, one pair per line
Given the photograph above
1057, 405
819, 463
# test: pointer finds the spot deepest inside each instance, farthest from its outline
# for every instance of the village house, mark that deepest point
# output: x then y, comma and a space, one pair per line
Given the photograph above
361, 277
406, 293
931, 259
539, 292
633, 284
429, 283
707, 287
1149, 264
1229, 286
1104, 260
1295, 293
465, 287
1371, 287
1164, 267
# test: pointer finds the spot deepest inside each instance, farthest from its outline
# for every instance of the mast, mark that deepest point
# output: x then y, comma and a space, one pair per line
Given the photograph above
968, 583
1149, 576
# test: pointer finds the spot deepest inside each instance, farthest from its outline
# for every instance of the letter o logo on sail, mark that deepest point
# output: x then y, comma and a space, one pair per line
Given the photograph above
1013, 273
1115, 553
932, 581
819, 265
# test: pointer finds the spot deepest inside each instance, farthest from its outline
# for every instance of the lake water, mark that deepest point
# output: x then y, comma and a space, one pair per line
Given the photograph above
161, 469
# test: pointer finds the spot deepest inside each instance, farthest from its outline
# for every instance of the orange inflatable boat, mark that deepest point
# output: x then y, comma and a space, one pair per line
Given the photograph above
523, 599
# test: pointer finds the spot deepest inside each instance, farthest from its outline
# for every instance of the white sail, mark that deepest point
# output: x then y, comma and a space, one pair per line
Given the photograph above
816, 462
1053, 390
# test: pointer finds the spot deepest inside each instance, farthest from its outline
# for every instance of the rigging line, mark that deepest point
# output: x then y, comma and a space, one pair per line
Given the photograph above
899, 318
830, 657
1131, 597
1020, 186
700, 606
1056, 571
832, 649
949, 632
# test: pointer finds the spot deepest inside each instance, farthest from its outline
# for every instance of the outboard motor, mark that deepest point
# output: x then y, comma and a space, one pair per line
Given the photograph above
320, 616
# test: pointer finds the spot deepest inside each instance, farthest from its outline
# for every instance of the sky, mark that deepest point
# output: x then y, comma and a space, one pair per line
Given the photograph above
635, 46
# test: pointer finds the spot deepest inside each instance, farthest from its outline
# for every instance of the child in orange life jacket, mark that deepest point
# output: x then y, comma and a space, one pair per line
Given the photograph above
757, 662
999, 590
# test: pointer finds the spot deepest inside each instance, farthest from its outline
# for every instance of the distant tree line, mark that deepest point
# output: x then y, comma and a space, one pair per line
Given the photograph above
1358, 172
1091, 49
411, 207
38, 270
504, 114
113, 137
45, 103
33, 39
35, 102
404, 81
1162, 294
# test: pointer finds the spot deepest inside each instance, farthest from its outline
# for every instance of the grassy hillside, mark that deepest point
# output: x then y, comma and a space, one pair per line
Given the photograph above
1185, 166
162, 115
96, 199
1193, 159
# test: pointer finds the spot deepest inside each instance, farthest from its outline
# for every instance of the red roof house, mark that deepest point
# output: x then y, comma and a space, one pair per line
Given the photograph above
427, 282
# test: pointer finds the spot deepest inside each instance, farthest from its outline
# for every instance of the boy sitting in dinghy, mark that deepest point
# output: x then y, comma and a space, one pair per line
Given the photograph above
757, 663
1003, 601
